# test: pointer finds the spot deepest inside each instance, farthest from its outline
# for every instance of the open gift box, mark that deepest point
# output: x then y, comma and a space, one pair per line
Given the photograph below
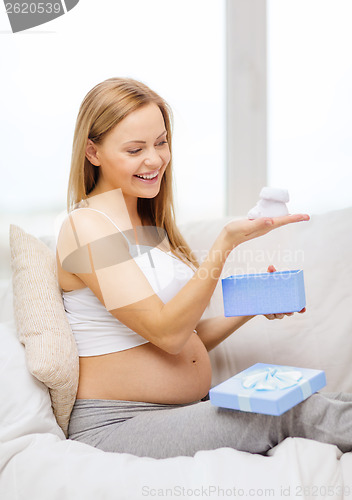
269, 389
264, 293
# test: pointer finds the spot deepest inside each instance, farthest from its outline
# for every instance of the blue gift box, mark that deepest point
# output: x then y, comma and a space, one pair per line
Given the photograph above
269, 389
264, 293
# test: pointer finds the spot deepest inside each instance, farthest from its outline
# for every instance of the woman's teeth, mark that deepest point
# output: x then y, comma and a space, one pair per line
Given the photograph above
147, 176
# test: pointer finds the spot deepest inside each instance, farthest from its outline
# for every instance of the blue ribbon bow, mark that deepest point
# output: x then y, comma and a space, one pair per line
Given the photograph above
271, 379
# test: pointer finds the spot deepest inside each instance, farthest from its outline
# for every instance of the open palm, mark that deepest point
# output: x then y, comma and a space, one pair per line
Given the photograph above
239, 231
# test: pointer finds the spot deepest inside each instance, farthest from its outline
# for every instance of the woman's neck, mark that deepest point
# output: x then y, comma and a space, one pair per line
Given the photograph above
115, 201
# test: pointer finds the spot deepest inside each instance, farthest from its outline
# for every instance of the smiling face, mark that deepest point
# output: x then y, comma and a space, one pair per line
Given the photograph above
135, 148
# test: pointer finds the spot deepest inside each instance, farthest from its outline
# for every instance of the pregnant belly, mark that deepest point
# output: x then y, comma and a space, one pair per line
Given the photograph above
147, 373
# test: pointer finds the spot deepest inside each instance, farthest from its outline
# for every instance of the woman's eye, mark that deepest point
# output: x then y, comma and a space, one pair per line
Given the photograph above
135, 151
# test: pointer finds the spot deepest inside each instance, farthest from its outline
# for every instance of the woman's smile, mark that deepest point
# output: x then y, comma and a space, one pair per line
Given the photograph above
148, 178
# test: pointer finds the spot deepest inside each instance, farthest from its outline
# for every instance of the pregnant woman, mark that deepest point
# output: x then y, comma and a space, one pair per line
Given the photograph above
135, 294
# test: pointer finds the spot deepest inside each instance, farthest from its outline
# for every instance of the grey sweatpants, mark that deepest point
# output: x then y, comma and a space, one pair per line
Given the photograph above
162, 431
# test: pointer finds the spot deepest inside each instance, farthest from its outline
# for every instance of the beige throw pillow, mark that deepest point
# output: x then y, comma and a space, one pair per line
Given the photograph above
41, 321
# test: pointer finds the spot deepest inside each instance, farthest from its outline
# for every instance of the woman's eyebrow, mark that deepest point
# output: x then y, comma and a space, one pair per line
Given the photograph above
143, 142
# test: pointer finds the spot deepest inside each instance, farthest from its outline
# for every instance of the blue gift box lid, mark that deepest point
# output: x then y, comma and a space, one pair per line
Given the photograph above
268, 389
264, 293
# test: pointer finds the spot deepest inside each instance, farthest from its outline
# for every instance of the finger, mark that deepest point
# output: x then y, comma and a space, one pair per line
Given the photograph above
287, 219
289, 314
292, 218
303, 310
270, 316
271, 269
279, 316
263, 225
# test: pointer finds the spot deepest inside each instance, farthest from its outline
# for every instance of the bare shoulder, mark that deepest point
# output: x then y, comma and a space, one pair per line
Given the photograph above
89, 240
87, 224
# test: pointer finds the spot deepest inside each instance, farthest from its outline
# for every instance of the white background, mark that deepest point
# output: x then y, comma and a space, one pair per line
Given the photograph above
178, 49
175, 47
310, 102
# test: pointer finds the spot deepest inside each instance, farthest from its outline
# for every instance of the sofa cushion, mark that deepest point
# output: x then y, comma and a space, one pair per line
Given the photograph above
41, 321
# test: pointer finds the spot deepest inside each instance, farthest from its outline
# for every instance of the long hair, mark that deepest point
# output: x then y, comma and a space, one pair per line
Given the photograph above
102, 109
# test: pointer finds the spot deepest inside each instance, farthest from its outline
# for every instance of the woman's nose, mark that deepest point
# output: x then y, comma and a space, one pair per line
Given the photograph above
153, 159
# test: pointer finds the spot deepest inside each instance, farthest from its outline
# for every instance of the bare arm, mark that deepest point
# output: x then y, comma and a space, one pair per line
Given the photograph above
212, 331
176, 320
127, 295
170, 325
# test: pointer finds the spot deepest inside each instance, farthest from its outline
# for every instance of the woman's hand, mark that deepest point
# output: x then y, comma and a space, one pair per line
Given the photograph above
239, 231
271, 269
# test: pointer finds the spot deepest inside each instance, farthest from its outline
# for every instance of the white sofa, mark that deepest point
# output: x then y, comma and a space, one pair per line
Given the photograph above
37, 462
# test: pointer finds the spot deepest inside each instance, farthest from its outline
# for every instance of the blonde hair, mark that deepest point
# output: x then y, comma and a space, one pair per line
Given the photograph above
102, 109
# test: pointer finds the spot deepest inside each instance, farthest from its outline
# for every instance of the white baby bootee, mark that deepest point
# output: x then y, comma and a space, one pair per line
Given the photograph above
272, 203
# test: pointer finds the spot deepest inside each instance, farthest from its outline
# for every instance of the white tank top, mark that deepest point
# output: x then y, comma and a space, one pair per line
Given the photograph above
97, 331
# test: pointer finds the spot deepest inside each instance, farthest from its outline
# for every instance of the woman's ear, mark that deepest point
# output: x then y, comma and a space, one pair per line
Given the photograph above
91, 153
